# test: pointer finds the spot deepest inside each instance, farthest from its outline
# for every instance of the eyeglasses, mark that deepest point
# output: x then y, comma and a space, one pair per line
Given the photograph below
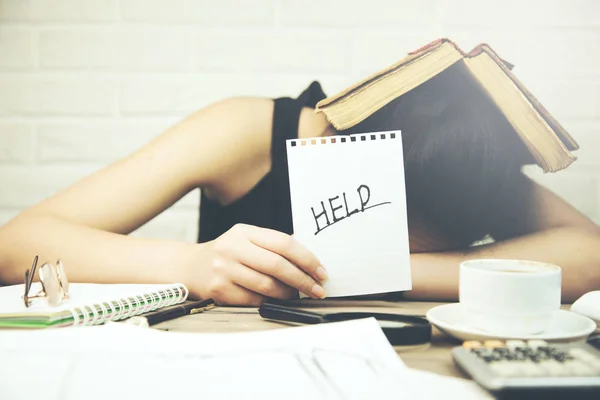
55, 286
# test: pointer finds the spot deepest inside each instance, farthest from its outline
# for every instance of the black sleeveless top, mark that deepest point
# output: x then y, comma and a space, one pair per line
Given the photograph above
267, 204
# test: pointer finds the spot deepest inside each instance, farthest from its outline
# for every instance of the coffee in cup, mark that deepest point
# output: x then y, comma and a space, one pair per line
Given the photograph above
509, 297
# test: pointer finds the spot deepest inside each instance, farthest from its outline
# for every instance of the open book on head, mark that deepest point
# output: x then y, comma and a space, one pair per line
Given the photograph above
548, 142
348, 191
88, 304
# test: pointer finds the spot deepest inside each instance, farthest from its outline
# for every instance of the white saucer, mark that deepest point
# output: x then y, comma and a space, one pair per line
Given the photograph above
565, 326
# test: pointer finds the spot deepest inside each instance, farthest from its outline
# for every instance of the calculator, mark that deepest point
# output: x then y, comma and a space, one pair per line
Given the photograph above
516, 369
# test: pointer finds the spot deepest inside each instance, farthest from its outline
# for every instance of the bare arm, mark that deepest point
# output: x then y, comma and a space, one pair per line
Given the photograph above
548, 230
87, 224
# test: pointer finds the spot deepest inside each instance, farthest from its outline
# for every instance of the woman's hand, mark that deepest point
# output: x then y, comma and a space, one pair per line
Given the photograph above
247, 264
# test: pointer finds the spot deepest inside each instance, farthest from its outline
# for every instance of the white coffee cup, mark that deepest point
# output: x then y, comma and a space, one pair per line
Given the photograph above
509, 297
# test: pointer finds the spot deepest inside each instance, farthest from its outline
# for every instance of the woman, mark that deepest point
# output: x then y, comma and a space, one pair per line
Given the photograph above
463, 183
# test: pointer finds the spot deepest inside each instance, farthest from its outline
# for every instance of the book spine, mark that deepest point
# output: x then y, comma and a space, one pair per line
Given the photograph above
119, 309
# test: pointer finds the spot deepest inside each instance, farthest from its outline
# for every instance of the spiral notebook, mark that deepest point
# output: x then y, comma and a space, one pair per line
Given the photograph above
348, 203
89, 304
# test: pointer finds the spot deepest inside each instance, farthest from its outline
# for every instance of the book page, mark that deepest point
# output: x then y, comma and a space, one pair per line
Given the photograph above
349, 208
344, 360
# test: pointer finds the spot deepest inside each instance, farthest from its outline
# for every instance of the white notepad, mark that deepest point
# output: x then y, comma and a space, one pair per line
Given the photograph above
349, 208
89, 304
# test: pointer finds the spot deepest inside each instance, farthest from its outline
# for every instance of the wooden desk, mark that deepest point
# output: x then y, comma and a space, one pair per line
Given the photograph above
434, 357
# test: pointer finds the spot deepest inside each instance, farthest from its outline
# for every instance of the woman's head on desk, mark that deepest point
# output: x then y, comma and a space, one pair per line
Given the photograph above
463, 183
462, 161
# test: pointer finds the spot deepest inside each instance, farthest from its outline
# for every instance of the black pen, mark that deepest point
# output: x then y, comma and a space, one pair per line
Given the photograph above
171, 312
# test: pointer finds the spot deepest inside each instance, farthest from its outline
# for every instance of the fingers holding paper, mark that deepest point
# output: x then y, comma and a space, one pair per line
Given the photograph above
248, 264
274, 265
261, 283
288, 247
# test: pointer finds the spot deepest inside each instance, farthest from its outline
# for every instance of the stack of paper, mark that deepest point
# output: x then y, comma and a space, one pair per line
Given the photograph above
346, 360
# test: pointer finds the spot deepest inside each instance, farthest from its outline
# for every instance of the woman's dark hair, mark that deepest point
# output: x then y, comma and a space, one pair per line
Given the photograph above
461, 155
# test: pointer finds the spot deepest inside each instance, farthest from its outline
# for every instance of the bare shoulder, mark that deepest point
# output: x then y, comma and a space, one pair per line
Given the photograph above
223, 148
227, 141
240, 147
313, 125
232, 141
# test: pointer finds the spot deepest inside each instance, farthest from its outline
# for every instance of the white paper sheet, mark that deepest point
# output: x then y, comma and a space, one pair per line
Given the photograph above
349, 208
347, 360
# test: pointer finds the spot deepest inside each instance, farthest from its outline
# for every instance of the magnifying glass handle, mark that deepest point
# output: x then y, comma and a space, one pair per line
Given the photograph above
282, 313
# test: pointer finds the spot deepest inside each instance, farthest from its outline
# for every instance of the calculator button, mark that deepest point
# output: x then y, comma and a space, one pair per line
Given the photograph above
501, 351
531, 369
492, 344
545, 350
562, 357
537, 343
554, 368
580, 368
536, 358
519, 369
513, 344
525, 350
582, 354
506, 368
472, 344
482, 352
491, 358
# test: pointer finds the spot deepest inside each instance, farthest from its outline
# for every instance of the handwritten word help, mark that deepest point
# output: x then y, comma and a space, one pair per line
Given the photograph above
339, 211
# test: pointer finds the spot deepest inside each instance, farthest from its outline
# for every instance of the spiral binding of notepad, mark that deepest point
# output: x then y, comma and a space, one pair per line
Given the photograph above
127, 307
355, 138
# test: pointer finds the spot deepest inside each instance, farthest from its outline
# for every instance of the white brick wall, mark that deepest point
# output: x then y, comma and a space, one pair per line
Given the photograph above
35, 94
94, 140
200, 13
129, 49
85, 82
16, 48
42, 11
17, 143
